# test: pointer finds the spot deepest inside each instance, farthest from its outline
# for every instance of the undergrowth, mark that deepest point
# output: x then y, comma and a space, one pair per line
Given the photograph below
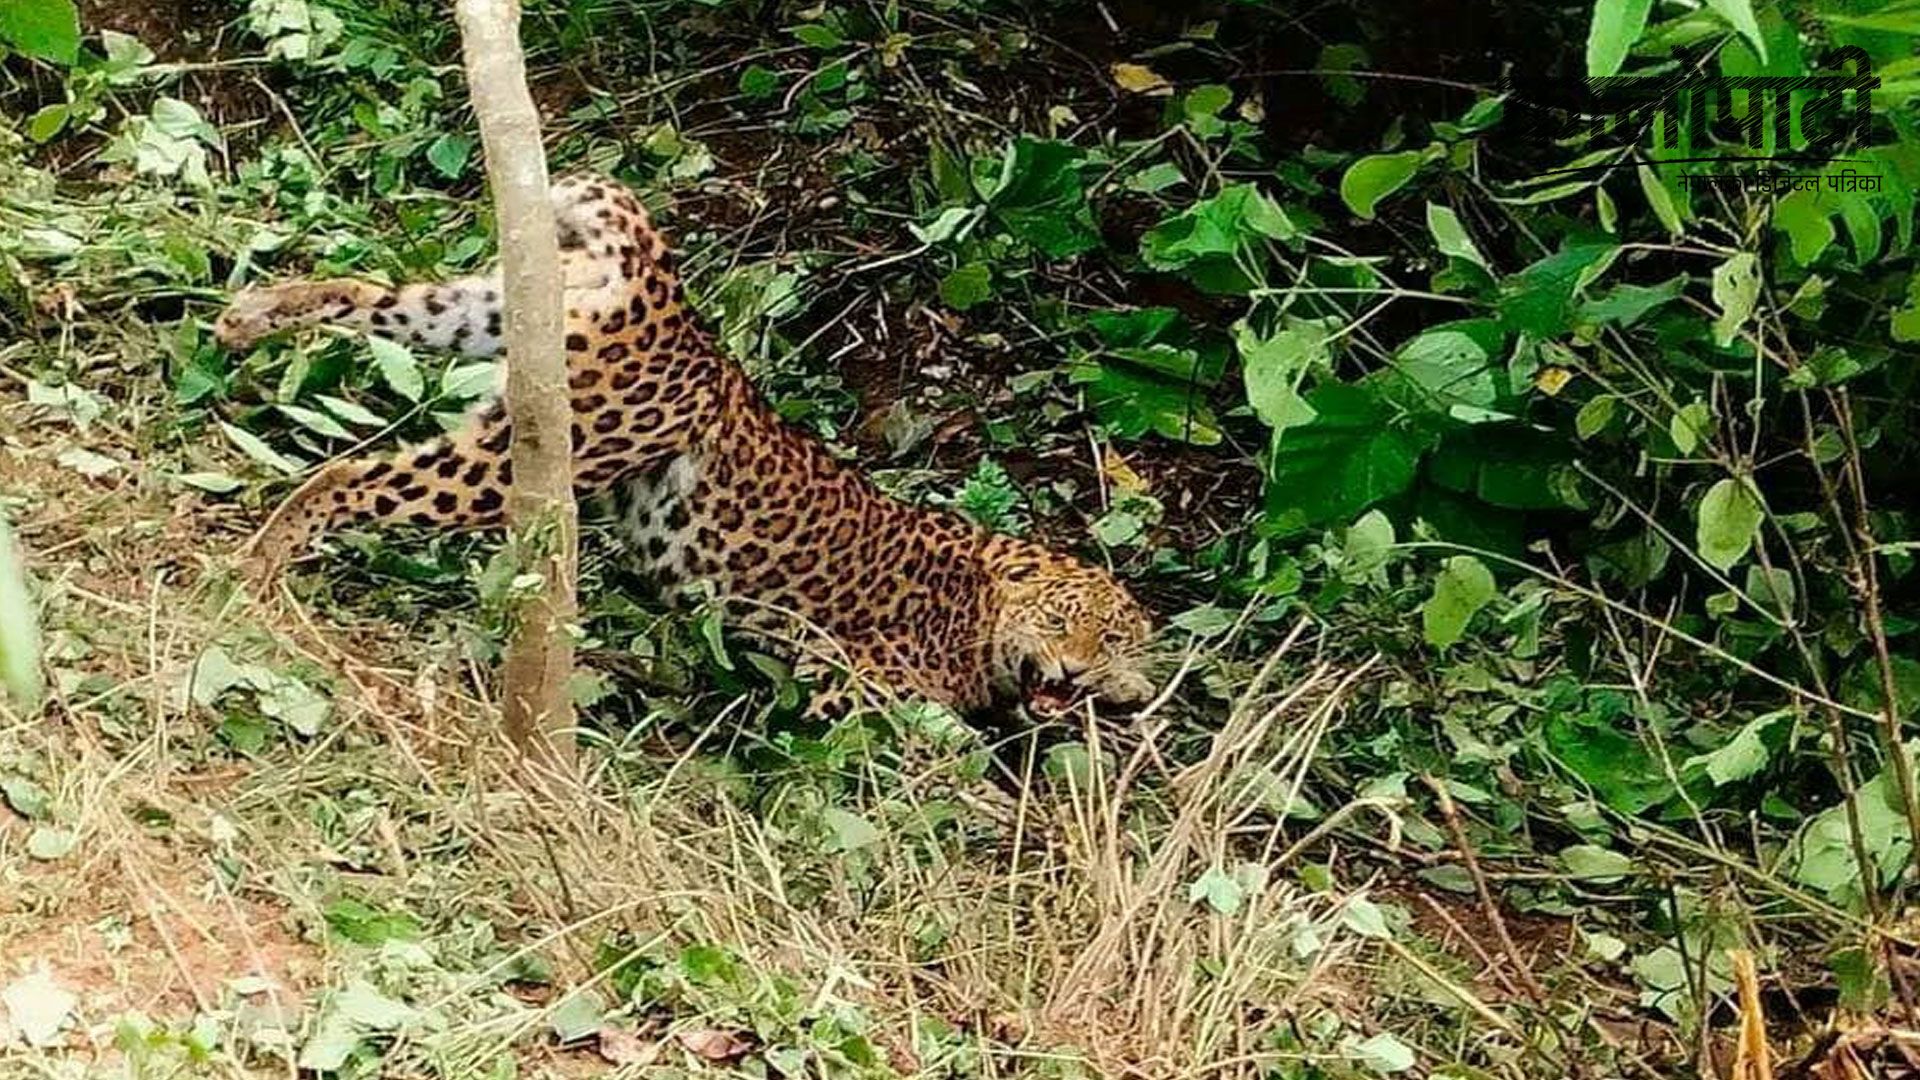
1538, 546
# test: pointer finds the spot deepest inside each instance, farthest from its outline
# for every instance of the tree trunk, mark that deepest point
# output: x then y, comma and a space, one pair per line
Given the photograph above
543, 533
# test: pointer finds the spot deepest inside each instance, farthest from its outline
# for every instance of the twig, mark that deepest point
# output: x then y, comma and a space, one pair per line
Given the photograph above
1488, 906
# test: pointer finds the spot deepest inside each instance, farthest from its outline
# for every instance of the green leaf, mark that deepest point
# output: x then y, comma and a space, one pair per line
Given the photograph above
1659, 198
1217, 228
577, 1016
1375, 177
1739, 15
257, 449
1729, 516
758, 81
1739, 757
1617, 24
1808, 225
1218, 890
46, 29
1736, 289
448, 155
1451, 237
1354, 453
1273, 368
364, 924
19, 627
1538, 300
1040, 199
1772, 588
1462, 587
316, 421
1134, 399
1383, 1053
1585, 862
1448, 368
819, 35
1594, 416
1368, 546
47, 122
968, 286
1691, 426
848, 831
398, 369
1364, 917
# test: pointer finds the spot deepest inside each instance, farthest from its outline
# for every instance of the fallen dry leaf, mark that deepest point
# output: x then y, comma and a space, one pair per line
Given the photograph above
1120, 474
713, 1044
1552, 380
621, 1047
1140, 79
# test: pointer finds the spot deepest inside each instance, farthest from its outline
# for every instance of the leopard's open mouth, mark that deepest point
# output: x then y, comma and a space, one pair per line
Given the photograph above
1055, 697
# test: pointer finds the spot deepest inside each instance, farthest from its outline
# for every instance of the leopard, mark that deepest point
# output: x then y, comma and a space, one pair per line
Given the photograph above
714, 492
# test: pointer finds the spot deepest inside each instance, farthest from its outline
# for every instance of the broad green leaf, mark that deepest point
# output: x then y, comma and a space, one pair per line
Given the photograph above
448, 155
46, 29
19, 627
1462, 587
1039, 197
1691, 426
1729, 516
364, 924
967, 287
1617, 24
1369, 544
1736, 289
1739, 15
1216, 228
1585, 862
1773, 589
1450, 236
1273, 368
47, 122
758, 81
1449, 368
398, 369
1822, 855
1364, 917
1739, 757
1594, 416
1538, 300
1375, 177
1354, 453
577, 1016
1808, 225
819, 35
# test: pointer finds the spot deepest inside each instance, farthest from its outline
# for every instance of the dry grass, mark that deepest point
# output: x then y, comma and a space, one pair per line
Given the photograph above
1034, 930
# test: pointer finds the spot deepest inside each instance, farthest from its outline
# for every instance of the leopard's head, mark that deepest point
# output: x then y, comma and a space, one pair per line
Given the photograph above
1065, 629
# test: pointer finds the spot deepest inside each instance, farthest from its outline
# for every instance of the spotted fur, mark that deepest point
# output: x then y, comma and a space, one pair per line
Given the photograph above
713, 485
